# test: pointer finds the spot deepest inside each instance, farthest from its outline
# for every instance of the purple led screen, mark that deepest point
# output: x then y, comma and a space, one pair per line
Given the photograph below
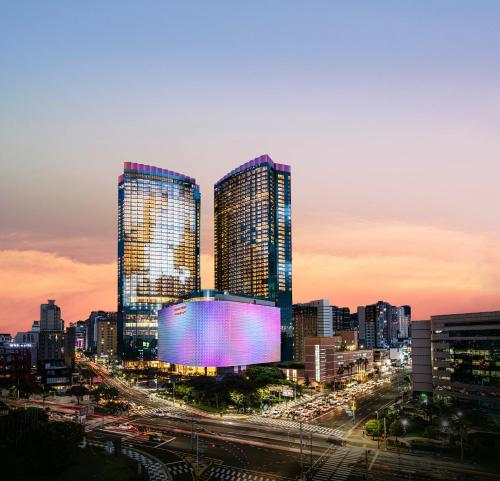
218, 334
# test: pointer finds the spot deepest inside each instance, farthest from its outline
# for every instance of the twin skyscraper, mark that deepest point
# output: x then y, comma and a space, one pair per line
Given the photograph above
159, 244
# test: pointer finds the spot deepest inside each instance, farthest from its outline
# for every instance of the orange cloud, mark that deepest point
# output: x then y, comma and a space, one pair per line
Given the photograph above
29, 278
435, 270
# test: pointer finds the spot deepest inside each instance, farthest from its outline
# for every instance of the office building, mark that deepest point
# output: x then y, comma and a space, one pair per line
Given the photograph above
253, 248
158, 250
380, 325
50, 345
50, 317
92, 323
421, 357
80, 335
15, 361
107, 340
341, 319
465, 351
310, 319
31, 338
218, 330
51, 337
404, 326
69, 346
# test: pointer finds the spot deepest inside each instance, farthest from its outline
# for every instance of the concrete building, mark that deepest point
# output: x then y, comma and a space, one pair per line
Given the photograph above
50, 317
310, 319
107, 339
327, 362
466, 357
421, 357
15, 360
341, 319
29, 337
50, 345
380, 324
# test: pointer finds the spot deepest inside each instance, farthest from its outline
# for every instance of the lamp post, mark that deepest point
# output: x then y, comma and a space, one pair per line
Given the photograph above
301, 454
378, 432
461, 430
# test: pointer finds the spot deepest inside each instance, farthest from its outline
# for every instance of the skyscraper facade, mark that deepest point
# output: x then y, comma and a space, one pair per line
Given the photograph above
341, 319
310, 319
381, 325
253, 241
50, 317
158, 250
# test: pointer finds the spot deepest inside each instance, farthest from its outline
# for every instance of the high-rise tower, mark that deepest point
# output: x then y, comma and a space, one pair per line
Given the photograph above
253, 237
158, 250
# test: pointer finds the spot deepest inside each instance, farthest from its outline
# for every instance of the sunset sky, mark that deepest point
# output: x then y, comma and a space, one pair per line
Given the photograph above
388, 113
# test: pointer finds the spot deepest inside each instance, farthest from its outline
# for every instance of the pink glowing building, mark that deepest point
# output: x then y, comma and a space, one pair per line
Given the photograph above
212, 329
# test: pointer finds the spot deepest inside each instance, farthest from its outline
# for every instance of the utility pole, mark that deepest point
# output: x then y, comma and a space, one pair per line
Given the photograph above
378, 432
197, 453
192, 434
301, 457
311, 451
385, 434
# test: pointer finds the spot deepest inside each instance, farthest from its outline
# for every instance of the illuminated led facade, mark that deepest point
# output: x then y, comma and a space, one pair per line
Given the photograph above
253, 242
158, 250
216, 330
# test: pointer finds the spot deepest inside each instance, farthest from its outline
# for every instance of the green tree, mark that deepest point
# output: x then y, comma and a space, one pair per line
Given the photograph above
237, 398
396, 428
184, 391
373, 427
263, 394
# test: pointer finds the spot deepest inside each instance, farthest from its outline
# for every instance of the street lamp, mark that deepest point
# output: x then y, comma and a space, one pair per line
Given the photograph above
405, 423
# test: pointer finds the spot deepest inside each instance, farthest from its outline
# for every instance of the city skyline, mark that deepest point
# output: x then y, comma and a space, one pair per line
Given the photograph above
387, 115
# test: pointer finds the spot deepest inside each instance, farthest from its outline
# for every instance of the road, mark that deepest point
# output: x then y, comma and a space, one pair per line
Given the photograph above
273, 451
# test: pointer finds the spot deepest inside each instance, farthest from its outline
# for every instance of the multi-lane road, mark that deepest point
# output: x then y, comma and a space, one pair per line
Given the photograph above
237, 449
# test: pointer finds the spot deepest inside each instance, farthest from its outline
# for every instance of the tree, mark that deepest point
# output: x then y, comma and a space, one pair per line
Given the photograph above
78, 391
373, 427
184, 391
237, 398
396, 428
107, 393
263, 394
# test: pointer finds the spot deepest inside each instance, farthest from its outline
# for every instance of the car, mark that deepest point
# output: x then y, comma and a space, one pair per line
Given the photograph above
337, 441
155, 437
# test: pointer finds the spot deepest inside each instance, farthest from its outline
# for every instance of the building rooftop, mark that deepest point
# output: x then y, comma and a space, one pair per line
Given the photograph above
257, 162
135, 168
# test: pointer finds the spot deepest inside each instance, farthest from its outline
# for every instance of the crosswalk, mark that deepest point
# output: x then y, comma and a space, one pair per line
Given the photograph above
227, 473
164, 411
179, 469
338, 465
155, 469
289, 424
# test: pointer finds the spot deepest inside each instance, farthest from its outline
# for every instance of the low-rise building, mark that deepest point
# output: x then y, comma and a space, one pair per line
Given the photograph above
326, 362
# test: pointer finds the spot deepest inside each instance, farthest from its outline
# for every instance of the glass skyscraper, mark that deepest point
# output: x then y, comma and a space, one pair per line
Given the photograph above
253, 237
158, 250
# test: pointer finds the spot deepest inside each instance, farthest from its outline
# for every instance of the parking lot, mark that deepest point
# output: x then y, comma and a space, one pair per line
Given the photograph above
340, 400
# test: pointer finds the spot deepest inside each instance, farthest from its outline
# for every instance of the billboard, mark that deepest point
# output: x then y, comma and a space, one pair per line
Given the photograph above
213, 333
